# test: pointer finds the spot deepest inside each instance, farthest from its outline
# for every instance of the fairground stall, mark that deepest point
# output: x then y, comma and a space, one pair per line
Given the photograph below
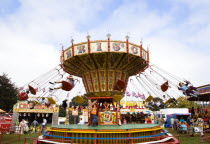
204, 94
22, 110
5, 121
203, 100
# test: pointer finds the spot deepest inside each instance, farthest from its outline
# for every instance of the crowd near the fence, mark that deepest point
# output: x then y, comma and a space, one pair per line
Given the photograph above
25, 127
194, 124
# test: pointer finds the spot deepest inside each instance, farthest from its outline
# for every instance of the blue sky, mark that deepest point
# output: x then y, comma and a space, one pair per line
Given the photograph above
8, 7
177, 32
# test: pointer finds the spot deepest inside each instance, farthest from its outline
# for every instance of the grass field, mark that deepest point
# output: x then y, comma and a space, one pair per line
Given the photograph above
13, 137
184, 138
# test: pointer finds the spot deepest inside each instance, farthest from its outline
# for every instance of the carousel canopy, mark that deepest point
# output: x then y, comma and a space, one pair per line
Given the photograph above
204, 94
104, 69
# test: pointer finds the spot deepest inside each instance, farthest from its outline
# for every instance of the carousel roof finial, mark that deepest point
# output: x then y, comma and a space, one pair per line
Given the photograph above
127, 36
148, 47
88, 36
141, 42
108, 35
72, 40
61, 46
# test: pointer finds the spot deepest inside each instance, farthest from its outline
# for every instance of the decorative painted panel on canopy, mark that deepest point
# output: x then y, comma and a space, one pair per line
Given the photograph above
204, 89
105, 65
115, 55
204, 94
105, 46
23, 106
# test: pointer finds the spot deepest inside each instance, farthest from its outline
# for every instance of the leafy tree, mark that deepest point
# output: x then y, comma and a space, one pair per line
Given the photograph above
74, 103
156, 99
182, 102
62, 111
153, 106
8, 93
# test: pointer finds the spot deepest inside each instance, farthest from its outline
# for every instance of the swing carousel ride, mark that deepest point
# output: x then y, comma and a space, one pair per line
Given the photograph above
104, 71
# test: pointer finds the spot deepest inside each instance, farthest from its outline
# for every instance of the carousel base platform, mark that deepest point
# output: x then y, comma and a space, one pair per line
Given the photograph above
108, 134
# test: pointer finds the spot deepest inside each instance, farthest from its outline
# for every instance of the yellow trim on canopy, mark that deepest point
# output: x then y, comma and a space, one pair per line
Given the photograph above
105, 131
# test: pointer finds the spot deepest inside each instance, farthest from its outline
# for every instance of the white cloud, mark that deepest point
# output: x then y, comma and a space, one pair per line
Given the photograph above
31, 37
23, 59
177, 44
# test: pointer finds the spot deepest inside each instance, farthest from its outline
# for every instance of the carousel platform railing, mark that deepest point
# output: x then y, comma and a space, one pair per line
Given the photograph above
164, 138
35, 140
205, 140
50, 141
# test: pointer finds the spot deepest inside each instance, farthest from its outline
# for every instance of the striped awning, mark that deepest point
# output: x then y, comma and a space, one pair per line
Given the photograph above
182, 113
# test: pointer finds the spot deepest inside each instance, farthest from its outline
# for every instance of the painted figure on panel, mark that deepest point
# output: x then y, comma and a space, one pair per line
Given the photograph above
134, 49
81, 49
98, 47
68, 54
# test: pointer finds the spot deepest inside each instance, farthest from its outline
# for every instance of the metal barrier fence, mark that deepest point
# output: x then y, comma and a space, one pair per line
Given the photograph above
37, 141
205, 140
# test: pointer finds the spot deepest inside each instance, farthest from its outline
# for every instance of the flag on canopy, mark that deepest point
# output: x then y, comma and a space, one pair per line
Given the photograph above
134, 94
139, 95
127, 93
142, 97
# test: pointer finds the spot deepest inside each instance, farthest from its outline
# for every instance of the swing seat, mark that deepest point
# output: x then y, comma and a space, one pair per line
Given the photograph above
66, 86
32, 90
164, 86
149, 99
23, 96
120, 85
36, 103
51, 100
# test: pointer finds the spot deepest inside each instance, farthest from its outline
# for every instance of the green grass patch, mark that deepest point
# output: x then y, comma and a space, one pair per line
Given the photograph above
185, 138
12, 137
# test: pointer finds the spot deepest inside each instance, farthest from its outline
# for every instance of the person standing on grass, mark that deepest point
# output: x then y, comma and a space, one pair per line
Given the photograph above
22, 126
161, 121
172, 122
181, 120
75, 114
34, 124
26, 126
155, 121
190, 122
200, 123
44, 123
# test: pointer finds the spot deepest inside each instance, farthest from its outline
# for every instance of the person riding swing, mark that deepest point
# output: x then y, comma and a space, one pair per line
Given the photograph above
66, 85
188, 90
